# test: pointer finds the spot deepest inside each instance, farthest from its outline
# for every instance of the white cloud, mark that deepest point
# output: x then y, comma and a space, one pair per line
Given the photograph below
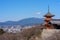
38, 13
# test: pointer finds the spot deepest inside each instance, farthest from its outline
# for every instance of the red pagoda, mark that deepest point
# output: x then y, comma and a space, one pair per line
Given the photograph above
48, 18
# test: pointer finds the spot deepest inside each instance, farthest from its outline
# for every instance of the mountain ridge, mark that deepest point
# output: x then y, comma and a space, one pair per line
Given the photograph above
24, 22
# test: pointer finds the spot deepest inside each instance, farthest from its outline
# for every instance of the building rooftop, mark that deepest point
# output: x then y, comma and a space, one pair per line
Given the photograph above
48, 13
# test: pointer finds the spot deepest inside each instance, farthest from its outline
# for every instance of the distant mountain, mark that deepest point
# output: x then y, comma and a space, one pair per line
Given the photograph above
24, 22
30, 21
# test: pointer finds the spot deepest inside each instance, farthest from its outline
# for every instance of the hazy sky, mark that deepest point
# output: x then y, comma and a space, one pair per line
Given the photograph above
13, 10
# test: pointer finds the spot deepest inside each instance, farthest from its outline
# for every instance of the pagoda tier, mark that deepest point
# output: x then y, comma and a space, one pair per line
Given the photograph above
48, 15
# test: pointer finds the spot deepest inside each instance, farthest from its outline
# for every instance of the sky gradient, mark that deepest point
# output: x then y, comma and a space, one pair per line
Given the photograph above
14, 10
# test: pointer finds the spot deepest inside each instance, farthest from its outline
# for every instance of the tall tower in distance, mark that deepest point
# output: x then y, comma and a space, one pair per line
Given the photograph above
48, 18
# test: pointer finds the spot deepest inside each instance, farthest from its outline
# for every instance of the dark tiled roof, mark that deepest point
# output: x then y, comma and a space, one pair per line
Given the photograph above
55, 19
48, 14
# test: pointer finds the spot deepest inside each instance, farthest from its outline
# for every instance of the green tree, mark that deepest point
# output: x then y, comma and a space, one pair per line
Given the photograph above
2, 31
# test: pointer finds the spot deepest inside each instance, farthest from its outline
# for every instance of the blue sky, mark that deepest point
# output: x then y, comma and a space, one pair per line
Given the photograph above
14, 10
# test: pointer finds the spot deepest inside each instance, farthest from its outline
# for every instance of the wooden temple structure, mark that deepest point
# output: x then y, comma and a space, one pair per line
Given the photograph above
48, 18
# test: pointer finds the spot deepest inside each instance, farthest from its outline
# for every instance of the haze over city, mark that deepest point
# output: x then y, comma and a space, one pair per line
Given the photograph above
14, 10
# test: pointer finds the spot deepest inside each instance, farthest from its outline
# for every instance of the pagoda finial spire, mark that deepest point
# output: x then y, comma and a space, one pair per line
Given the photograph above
48, 8
48, 13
